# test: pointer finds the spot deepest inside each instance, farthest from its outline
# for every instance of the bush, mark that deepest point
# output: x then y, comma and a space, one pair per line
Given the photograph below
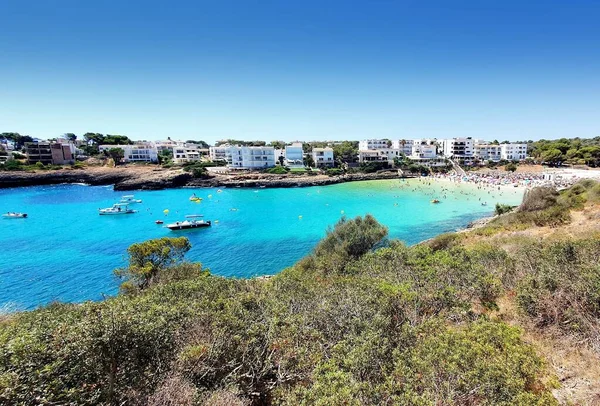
539, 198
12, 165
511, 167
278, 170
502, 209
334, 172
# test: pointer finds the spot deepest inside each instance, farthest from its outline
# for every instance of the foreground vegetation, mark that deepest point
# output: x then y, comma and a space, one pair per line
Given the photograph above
360, 321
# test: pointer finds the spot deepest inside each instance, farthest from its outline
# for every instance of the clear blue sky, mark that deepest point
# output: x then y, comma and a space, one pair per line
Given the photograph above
301, 69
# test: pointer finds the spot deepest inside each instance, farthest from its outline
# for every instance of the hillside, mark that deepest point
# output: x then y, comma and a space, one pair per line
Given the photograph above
506, 314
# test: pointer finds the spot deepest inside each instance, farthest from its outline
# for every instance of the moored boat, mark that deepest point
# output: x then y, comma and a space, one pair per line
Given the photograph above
117, 209
435, 201
13, 215
129, 199
191, 221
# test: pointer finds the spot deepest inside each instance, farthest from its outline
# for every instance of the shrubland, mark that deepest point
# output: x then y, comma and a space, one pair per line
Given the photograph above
361, 320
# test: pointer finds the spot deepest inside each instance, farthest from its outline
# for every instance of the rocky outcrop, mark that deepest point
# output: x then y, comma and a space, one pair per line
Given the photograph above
153, 178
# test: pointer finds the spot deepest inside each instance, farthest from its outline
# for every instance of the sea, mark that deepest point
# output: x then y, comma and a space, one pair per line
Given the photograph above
64, 251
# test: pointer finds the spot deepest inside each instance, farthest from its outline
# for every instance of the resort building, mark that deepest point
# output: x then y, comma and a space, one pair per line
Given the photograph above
323, 157
513, 152
48, 153
218, 153
140, 152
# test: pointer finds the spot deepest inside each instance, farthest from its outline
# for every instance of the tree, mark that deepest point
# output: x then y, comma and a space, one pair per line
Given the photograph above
281, 159
348, 240
511, 167
552, 156
309, 161
71, 137
117, 154
148, 259
346, 151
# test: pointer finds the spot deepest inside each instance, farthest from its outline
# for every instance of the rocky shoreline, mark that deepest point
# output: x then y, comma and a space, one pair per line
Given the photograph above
153, 178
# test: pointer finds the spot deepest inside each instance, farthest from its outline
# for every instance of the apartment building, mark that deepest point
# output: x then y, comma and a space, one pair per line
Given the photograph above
459, 148
139, 152
404, 146
365, 145
323, 157
513, 152
48, 153
487, 152
250, 157
187, 153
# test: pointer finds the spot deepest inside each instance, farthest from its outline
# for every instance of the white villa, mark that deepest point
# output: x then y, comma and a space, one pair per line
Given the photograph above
241, 157
140, 152
323, 157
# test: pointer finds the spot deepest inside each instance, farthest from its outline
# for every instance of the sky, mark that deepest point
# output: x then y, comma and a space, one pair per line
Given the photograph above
301, 70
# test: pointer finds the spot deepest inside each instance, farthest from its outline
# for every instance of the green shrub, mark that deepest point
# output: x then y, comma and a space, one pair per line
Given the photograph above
539, 198
334, 172
278, 170
502, 209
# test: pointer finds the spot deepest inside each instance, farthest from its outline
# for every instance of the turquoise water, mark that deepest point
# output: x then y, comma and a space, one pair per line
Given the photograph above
65, 251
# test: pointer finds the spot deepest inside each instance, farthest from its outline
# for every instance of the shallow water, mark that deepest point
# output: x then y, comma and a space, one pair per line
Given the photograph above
65, 251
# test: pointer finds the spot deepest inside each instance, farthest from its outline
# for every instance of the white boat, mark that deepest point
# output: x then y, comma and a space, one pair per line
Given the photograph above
192, 221
117, 209
12, 215
130, 199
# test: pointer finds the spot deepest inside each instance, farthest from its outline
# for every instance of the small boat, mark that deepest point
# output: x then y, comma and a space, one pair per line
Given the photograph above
12, 215
192, 221
159, 221
435, 201
194, 198
130, 199
116, 209
484, 203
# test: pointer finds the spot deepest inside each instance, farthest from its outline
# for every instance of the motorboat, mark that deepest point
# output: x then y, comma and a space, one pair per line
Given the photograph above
129, 199
117, 209
435, 201
13, 215
194, 198
191, 221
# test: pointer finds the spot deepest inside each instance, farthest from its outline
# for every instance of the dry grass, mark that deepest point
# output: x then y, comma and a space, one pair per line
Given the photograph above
573, 367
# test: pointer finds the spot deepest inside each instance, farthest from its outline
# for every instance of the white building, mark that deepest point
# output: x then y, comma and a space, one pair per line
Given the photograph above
140, 152
487, 152
365, 145
513, 152
323, 157
404, 146
379, 155
250, 157
239, 157
218, 153
427, 151
187, 153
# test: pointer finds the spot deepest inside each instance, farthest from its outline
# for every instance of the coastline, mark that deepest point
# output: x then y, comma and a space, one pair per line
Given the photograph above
152, 178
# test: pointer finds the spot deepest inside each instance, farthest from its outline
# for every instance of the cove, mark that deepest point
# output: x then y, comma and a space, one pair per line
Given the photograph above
64, 251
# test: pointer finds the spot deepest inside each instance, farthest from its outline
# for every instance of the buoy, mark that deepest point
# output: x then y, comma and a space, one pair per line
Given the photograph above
210, 196
166, 211
216, 221
342, 211
219, 191
300, 217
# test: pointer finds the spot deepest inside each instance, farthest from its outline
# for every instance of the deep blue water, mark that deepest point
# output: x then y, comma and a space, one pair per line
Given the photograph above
65, 251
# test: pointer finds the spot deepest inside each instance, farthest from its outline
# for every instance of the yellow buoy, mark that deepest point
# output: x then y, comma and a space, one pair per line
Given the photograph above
166, 211
300, 217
